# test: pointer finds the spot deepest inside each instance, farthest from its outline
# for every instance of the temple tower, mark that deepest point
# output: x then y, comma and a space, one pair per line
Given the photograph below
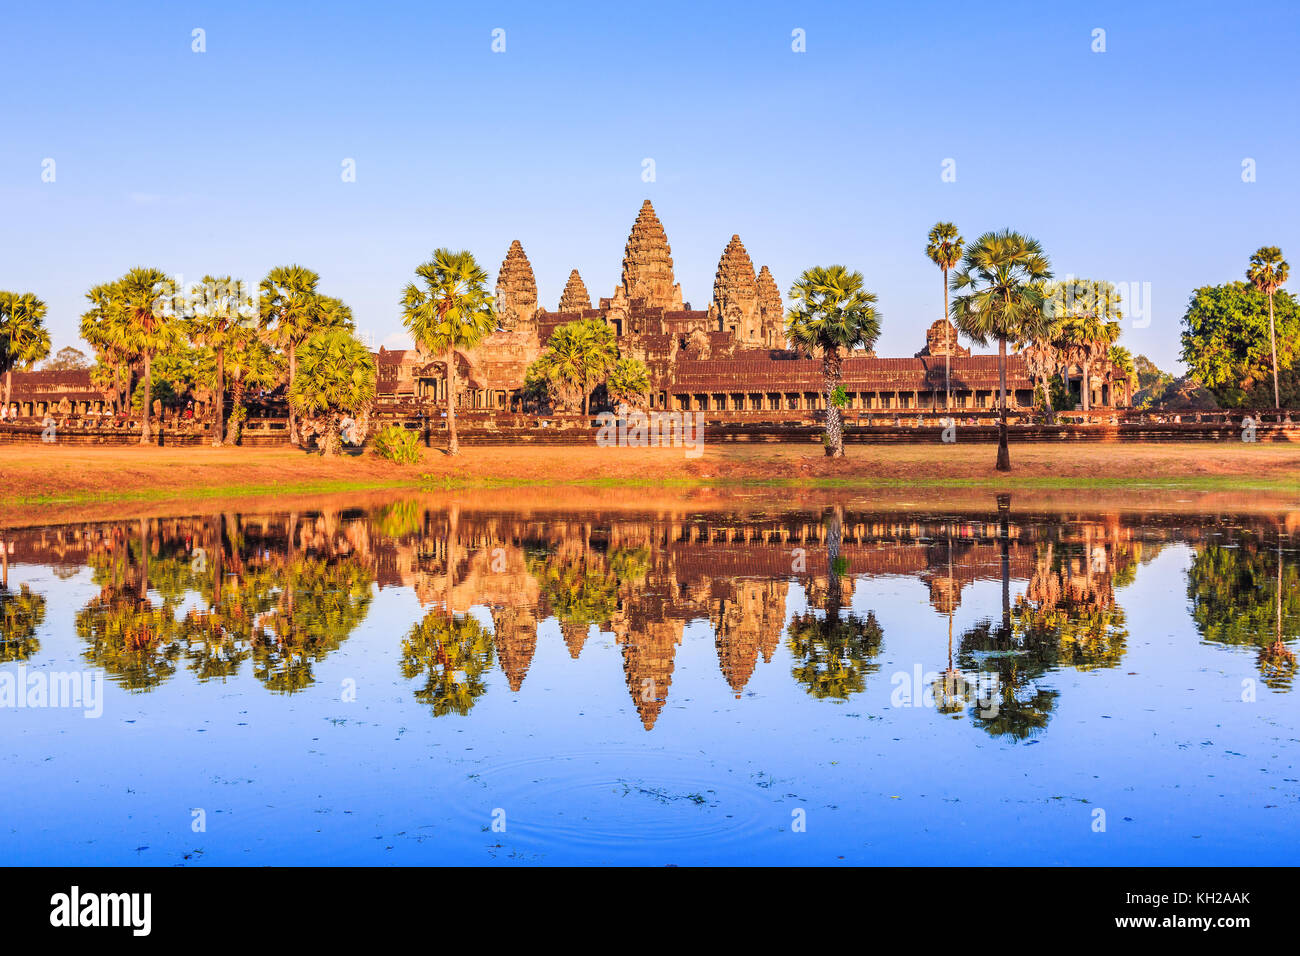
734, 308
516, 294
771, 311
575, 297
648, 264
941, 339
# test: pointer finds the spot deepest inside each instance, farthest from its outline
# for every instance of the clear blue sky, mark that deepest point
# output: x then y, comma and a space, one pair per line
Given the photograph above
1126, 164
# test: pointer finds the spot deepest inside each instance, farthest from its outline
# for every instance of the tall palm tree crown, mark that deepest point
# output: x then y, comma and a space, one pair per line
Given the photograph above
450, 310
832, 314
944, 247
219, 308
290, 309
144, 302
24, 340
578, 357
1000, 291
1268, 271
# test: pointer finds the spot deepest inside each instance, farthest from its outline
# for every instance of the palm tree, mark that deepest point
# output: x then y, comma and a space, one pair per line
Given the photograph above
24, 340
145, 298
291, 309
944, 250
105, 327
1122, 359
628, 383
451, 312
1088, 312
251, 364
220, 310
1043, 357
833, 315
1001, 285
1268, 272
578, 357
337, 377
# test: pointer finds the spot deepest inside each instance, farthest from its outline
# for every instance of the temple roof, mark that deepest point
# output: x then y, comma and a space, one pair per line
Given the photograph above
860, 373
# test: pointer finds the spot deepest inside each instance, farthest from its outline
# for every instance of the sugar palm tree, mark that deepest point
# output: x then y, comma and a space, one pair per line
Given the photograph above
1001, 297
1089, 314
450, 311
944, 249
24, 340
145, 297
290, 309
578, 357
251, 363
628, 382
220, 309
832, 315
336, 377
1268, 272
105, 326
1122, 359
1042, 360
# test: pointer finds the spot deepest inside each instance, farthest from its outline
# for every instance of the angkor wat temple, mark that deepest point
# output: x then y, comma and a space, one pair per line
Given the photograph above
730, 357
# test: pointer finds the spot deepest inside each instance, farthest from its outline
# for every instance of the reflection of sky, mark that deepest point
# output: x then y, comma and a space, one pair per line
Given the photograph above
1186, 772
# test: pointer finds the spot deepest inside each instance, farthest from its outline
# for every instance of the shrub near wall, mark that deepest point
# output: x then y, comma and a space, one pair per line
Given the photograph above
398, 444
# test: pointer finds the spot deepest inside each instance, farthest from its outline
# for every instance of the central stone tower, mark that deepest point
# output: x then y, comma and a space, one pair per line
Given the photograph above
648, 264
516, 293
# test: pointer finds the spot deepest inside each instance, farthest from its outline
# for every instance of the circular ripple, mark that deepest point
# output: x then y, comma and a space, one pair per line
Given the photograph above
620, 798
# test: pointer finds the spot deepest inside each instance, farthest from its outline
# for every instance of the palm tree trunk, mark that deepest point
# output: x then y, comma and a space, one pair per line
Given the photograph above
293, 371
236, 402
453, 445
1272, 338
947, 350
219, 408
834, 539
144, 559
832, 368
148, 387
218, 557
1004, 449
1004, 541
1085, 386
9, 385
330, 446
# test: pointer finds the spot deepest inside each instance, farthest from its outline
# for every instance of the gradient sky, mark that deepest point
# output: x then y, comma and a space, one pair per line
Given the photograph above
1126, 165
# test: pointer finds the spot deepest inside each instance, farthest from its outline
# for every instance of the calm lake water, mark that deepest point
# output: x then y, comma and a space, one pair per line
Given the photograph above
417, 682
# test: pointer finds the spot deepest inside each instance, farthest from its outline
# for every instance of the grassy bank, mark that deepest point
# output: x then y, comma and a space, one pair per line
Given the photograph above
37, 475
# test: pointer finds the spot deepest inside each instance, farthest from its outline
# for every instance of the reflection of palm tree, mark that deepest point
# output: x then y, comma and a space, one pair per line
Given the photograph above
1245, 594
129, 637
834, 654
21, 613
1073, 620
952, 690
580, 589
1022, 708
321, 603
453, 653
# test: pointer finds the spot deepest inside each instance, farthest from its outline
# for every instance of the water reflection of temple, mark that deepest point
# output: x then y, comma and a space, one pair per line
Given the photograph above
285, 590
